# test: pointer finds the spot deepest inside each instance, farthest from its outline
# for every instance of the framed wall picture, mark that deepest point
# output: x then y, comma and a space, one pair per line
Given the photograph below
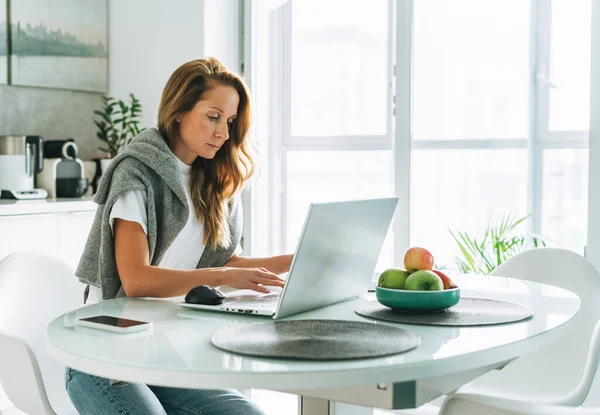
3, 43
59, 44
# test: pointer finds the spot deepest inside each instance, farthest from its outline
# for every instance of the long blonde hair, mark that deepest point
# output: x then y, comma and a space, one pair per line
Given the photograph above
214, 181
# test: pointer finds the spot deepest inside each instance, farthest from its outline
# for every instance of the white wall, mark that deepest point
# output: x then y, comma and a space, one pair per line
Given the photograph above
222, 36
149, 40
53, 114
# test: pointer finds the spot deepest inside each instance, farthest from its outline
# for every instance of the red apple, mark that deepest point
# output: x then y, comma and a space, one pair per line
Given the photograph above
416, 259
448, 283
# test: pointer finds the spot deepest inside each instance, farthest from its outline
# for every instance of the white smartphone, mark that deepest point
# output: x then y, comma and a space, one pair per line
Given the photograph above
115, 324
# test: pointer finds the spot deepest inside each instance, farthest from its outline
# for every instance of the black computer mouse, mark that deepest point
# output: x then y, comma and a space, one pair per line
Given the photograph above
204, 294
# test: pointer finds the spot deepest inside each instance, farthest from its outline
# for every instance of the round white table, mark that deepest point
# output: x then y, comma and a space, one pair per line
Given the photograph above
179, 353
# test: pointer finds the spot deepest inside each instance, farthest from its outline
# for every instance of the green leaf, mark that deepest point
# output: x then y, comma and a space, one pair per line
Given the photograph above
498, 243
104, 116
464, 245
519, 221
118, 123
101, 125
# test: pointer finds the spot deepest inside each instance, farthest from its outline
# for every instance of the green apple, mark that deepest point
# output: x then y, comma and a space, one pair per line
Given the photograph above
393, 278
424, 281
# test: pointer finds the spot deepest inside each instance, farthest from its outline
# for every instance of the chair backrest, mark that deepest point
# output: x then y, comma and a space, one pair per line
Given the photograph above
21, 377
464, 404
557, 369
34, 289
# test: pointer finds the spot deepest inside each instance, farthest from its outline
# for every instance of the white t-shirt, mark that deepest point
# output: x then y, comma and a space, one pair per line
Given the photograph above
188, 246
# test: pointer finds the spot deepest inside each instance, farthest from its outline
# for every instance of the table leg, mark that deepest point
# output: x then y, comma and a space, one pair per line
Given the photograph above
339, 408
313, 406
317, 406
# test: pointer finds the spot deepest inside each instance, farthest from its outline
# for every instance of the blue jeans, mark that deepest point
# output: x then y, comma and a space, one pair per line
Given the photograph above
92, 395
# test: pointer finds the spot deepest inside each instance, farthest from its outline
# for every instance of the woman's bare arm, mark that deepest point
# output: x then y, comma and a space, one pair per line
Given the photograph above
276, 264
140, 279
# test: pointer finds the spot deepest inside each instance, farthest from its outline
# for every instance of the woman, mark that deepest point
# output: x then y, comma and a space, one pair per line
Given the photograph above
168, 220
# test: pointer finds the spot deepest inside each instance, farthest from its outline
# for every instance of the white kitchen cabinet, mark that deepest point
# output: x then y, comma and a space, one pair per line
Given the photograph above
58, 227
29, 233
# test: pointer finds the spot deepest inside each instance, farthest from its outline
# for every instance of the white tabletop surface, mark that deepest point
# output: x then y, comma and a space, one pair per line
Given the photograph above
179, 353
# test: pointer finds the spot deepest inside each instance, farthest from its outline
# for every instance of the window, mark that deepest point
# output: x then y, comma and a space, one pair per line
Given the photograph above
570, 37
499, 119
471, 69
463, 189
324, 118
564, 192
490, 115
563, 123
342, 93
469, 162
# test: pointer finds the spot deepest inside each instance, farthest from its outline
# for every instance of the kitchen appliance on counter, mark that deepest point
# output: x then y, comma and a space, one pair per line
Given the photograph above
53, 149
21, 157
64, 175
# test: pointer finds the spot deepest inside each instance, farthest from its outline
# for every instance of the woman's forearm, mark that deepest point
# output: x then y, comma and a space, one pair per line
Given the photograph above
151, 281
140, 279
276, 264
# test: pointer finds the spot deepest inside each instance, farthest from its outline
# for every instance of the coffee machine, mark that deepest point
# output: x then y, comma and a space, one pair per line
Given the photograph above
21, 158
64, 173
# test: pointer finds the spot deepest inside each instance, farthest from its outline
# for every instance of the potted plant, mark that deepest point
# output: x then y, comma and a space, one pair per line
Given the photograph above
117, 126
498, 243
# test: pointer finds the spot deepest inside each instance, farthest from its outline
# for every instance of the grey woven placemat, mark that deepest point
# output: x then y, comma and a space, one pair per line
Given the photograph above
468, 312
315, 339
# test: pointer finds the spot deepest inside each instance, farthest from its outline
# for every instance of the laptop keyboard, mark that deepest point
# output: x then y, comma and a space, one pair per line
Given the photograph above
269, 301
265, 302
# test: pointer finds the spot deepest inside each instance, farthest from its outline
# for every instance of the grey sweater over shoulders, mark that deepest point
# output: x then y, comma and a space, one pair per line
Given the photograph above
146, 164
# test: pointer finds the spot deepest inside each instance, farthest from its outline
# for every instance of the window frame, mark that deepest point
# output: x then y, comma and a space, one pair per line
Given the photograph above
542, 138
291, 142
398, 138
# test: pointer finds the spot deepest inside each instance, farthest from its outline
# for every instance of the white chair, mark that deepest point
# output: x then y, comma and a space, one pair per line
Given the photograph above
34, 289
562, 373
466, 404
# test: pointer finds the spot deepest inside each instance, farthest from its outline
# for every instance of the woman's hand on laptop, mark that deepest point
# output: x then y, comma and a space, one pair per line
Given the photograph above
278, 264
251, 278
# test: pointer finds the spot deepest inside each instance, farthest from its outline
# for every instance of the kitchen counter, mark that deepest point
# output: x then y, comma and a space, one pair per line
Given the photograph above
10, 207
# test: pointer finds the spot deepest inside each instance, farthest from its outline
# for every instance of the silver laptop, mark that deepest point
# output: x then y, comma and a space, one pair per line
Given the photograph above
334, 260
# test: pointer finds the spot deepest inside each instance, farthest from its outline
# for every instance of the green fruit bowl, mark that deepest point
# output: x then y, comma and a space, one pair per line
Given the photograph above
409, 300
